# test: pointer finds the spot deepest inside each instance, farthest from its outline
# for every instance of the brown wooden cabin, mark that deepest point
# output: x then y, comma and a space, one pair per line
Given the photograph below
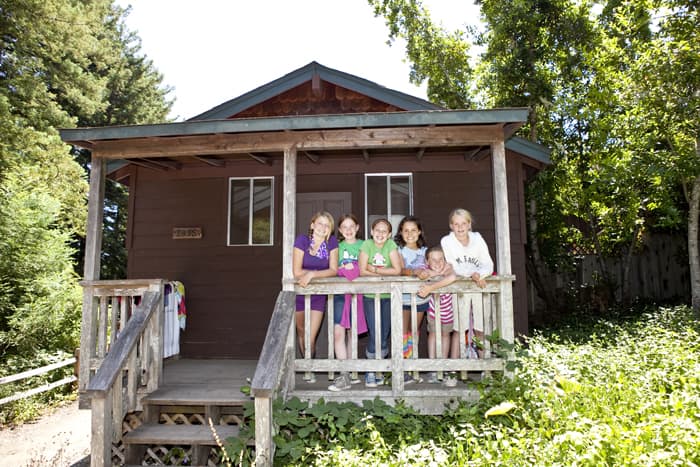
314, 139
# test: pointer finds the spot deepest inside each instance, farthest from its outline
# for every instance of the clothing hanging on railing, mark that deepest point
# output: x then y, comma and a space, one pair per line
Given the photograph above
174, 320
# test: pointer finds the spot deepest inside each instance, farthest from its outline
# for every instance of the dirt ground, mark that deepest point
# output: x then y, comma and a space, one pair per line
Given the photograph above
60, 438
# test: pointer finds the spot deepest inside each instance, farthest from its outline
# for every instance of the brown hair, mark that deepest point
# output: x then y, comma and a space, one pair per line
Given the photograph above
342, 219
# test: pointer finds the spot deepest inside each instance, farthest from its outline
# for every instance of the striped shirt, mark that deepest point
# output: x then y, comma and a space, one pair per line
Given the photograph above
446, 312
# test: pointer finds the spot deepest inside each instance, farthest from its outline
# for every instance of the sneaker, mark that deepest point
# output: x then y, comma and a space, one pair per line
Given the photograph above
450, 380
432, 378
380, 378
341, 383
310, 378
355, 379
371, 380
409, 379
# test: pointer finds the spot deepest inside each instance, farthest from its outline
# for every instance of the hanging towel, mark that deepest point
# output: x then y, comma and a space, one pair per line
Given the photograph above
352, 274
180, 297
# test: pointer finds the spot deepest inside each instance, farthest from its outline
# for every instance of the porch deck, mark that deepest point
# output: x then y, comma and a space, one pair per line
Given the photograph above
219, 382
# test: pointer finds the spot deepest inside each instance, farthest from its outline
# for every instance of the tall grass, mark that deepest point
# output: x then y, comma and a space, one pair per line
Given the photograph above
622, 392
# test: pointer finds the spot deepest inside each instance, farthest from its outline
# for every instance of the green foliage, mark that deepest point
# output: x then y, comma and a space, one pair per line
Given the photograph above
23, 410
436, 55
61, 63
613, 90
606, 392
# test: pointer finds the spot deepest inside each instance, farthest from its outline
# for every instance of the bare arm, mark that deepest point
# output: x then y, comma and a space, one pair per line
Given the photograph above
363, 262
430, 287
305, 276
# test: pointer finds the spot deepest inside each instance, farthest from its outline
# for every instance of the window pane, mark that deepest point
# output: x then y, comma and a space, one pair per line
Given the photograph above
400, 196
240, 212
262, 209
376, 199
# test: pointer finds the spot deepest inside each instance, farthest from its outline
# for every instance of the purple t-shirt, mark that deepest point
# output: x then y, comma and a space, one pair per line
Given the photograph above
315, 263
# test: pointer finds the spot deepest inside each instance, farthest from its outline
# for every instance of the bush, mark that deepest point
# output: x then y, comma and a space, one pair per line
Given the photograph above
603, 393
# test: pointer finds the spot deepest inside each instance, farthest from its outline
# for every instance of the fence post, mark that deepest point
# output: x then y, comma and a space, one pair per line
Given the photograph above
396, 340
263, 431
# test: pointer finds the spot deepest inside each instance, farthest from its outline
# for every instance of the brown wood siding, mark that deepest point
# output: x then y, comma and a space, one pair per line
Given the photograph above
230, 291
327, 99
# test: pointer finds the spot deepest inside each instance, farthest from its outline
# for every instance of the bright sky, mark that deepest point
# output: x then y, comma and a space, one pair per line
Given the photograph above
211, 51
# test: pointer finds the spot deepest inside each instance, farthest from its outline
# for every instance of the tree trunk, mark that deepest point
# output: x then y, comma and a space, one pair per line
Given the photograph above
626, 264
535, 265
693, 251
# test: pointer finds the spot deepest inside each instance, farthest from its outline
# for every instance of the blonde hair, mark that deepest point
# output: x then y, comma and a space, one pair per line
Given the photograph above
461, 212
328, 216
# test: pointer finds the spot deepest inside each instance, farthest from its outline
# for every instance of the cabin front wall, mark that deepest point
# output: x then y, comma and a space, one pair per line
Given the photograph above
231, 290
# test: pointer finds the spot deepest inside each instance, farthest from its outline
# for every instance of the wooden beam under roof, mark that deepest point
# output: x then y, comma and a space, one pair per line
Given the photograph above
166, 164
469, 155
262, 159
371, 138
147, 164
213, 161
315, 158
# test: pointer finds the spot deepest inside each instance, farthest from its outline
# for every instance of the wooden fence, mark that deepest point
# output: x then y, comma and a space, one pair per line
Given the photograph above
37, 372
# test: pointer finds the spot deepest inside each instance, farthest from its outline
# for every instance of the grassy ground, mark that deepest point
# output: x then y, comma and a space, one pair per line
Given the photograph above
589, 393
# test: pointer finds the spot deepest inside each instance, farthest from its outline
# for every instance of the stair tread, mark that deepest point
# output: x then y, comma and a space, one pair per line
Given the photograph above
196, 395
179, 434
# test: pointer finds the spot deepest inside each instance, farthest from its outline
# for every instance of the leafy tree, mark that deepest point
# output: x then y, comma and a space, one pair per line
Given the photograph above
62, 63
616, 152
438, 56
662, 94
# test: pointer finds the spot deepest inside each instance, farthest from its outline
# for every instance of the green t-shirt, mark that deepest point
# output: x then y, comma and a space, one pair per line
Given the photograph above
348, 252
378, 257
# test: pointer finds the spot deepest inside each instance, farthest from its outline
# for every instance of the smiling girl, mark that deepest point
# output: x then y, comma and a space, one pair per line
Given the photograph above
315, 256
379, 256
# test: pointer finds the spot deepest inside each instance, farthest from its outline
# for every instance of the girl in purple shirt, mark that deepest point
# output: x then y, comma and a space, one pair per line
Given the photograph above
315, 255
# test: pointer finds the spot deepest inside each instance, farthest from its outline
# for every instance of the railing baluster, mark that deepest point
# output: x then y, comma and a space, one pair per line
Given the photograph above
307, 331
396, 341
414, 332
114, 315
331, 335
438, 330
377, 327
103, 322
124, 301
353, 331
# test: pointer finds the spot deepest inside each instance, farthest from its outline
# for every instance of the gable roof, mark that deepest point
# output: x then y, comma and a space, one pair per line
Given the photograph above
306, 73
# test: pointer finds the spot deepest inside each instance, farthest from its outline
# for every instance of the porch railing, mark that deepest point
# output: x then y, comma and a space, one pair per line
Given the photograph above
107, 308
133, 366
278, 365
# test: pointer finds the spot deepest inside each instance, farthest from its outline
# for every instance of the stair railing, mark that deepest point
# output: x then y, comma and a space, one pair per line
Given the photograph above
107, 308
133, 366
273, 374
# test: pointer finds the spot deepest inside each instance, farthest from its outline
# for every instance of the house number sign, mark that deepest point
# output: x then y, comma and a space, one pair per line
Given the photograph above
187, 233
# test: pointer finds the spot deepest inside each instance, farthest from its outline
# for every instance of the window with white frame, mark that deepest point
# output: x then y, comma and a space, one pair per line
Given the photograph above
388, 195
250, 211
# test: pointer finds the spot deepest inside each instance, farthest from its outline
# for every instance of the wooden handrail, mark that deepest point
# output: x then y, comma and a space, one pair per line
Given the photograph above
268, 370
116, 359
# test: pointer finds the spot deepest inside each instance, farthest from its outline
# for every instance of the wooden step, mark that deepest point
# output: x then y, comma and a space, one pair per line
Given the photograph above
196, 395
179, 434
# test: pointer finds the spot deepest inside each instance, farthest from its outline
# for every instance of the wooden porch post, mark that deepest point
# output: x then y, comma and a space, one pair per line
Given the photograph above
289, 215
500, 211
93, 251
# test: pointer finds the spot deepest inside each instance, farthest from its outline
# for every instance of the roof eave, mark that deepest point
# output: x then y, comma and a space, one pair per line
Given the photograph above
513, 117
